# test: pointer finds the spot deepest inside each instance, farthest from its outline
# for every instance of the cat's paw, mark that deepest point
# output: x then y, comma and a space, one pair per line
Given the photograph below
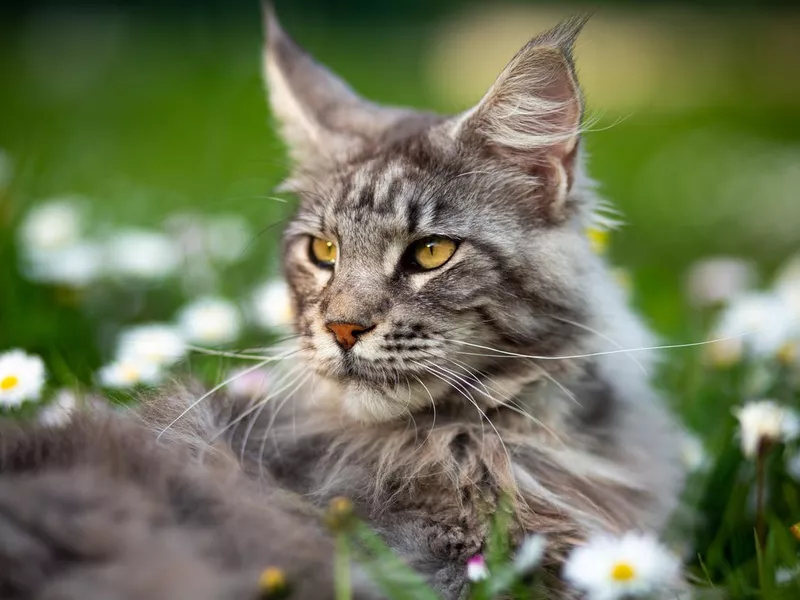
451, 542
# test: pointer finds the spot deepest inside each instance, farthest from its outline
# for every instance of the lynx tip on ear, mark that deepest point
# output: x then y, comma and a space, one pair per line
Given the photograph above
272, 27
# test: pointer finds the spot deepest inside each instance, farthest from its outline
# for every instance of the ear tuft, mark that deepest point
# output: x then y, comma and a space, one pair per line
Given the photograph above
323, 121
304, 97
531, 116
271, 25
563, 36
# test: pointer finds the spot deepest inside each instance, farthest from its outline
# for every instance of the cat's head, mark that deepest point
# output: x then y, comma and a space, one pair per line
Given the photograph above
426, 246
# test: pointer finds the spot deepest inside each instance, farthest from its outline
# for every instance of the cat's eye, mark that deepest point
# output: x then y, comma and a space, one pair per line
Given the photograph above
430, 253
322, 252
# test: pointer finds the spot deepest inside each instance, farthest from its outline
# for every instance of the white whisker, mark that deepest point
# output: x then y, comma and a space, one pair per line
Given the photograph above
272, 422
511, 403
602, 336
216, 388
469, 397
261, 404
502, 353
227, 354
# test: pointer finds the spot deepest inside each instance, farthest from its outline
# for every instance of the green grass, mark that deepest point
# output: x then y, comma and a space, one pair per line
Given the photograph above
173, 118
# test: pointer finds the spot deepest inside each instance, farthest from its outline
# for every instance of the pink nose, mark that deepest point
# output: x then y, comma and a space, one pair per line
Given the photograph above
346, 334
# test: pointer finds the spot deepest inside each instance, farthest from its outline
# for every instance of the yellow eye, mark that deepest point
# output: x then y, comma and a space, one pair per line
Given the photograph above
323, 252
432, 252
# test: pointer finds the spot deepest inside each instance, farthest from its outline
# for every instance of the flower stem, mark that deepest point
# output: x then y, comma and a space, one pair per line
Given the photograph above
761, 459
342, 568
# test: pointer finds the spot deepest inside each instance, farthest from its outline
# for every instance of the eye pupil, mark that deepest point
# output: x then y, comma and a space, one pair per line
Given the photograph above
430, 253
322, 252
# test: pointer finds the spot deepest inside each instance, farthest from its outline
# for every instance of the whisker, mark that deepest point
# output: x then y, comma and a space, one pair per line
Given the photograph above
600, 335
273, 417
259, 406
277, 377
512, 404
501, 353
277, 342
433, 408
503, 390
229, 354
469, 371
485, 416
450, 383
464, 381
216, 388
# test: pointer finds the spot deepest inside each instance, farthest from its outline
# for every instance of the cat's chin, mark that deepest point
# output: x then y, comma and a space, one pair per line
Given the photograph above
372, 405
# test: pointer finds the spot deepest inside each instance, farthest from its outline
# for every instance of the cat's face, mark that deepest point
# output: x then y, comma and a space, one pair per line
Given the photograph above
425, 247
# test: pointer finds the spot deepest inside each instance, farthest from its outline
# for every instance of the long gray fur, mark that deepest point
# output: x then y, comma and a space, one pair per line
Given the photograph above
504, 373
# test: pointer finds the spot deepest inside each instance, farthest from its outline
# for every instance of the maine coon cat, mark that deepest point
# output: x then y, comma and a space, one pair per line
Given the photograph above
458, 342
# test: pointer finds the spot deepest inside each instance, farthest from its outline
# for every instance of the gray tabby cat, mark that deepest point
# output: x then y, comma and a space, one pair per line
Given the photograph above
459, 342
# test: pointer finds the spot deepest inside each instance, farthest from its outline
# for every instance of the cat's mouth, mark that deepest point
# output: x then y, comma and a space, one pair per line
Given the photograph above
354, 370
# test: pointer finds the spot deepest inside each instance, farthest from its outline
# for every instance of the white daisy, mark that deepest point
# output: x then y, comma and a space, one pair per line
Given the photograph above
272, 305
633, 565
59, 410
210, 321
75, 266
122, 374
51, 226
529, 554
789, 353
227, 237
693, 453
21, 377
724, 352
718, 279
765, 422
793, 465
142, 254
477, 569
157, 343
784, 575
763, 322
787, 285
197, 273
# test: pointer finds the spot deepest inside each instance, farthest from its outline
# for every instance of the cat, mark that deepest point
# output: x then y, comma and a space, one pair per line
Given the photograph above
459, 344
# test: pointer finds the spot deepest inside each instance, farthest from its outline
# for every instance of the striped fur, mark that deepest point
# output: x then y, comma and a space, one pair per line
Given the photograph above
433, 415
503, 373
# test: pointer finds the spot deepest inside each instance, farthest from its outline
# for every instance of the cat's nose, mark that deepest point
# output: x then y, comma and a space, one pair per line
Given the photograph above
346, 334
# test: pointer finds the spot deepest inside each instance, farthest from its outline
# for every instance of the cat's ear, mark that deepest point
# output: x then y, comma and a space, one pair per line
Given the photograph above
531, 116
322, 119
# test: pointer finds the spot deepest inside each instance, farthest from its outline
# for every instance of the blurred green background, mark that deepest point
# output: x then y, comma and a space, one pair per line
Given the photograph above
148, 108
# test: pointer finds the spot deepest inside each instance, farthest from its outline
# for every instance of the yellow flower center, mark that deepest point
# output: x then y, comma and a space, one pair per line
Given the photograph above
341, 505
725, 353
272, 579
130, 373
287, 313
9, 382
623, 571
598, 239
787, 353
